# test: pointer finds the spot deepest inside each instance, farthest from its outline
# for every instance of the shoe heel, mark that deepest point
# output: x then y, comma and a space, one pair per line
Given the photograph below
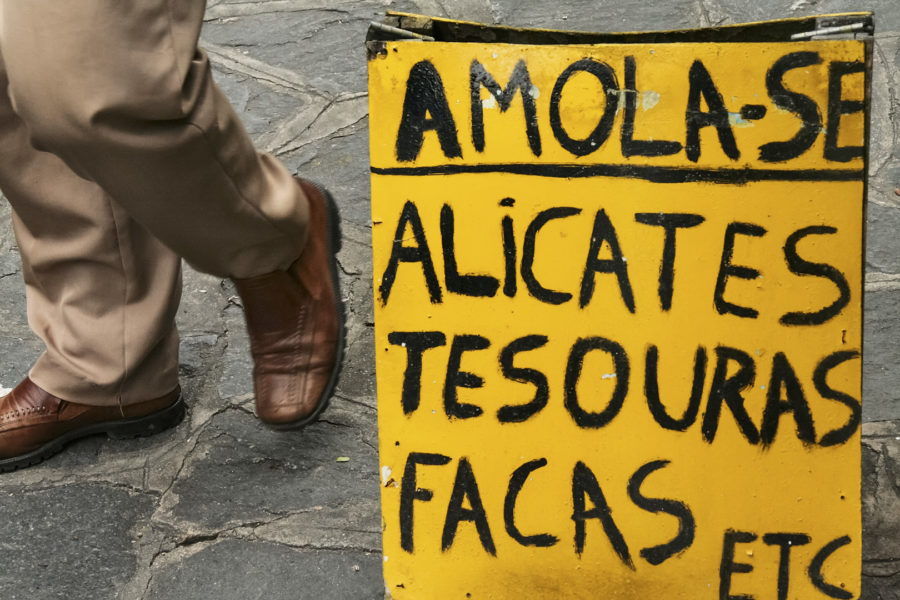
149, 425
334, 217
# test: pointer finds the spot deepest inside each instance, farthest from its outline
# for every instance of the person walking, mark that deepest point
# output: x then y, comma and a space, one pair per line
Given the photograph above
120, 156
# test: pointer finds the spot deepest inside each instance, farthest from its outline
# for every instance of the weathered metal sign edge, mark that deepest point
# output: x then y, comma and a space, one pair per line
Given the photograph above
449, 30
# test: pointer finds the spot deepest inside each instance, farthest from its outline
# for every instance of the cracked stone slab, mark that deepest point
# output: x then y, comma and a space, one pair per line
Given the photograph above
203, 298
7, 238
883, 238
887, 17
588, 15
357, 378
235, 569
340, 163
259, 106
881, 356
10, 263
19, 347
242, 472
354, 527
195, 354
219, 9
881, 582
19, 353
237, 365
480, 11
53, 545
884, 101
332, 117
300, 40
881, 490
881, 510
12, 290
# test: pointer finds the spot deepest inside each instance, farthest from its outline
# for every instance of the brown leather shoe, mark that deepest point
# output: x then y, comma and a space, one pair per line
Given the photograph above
35, 425
296, 323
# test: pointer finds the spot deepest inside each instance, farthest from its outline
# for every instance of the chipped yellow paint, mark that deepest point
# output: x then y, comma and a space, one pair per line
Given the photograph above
728, 483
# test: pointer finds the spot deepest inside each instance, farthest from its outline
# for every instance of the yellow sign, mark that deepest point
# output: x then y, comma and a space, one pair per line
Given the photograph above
618, 318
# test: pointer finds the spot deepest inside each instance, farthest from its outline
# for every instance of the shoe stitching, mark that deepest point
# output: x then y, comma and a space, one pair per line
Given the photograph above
297, 335
305, 362
298, 371
22, 412
293, 348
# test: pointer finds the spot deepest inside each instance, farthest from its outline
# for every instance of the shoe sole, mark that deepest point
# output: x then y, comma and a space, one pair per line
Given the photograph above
117, 430
335, 243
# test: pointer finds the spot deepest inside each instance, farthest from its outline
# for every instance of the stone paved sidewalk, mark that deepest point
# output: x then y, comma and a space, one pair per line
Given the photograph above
224, 508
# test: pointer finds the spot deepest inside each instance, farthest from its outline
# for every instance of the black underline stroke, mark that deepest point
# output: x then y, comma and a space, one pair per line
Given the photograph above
655, 174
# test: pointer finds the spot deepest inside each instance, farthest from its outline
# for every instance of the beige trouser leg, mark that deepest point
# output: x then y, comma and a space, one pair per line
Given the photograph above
118, 91
101, 291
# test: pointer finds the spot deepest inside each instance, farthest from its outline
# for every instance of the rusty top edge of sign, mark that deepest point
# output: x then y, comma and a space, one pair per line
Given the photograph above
413, 27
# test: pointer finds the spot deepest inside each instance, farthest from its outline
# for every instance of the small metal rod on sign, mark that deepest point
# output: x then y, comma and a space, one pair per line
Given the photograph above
402, 33
829, 31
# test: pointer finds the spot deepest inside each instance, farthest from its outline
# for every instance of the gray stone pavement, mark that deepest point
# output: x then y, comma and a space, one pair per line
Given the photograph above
224, 508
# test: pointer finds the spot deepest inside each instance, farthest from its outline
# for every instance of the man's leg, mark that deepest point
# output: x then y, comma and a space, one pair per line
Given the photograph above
101, 292
134, 109
119, 91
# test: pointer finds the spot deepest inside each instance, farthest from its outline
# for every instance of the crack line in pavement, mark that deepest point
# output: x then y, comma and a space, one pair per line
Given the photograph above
356, 402
287, 134
354, 274
293, 127
259, 70
243, 9
882, 281
892, 100
335, 134
335, 424
876, 484
184, 459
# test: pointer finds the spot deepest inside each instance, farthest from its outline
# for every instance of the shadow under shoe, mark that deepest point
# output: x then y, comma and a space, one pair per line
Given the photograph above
295, 320
35, 425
